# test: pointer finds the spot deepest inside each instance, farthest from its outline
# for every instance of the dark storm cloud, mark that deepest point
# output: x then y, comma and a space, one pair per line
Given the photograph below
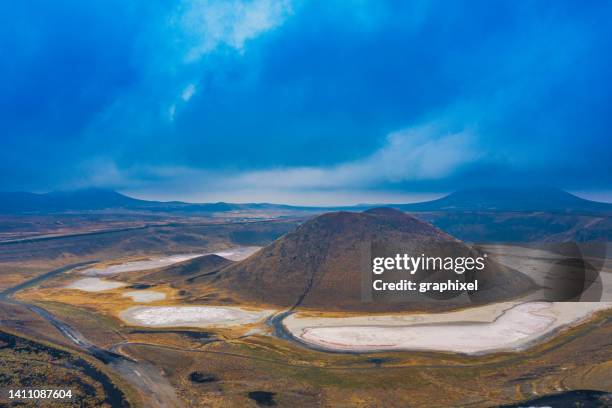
283, 99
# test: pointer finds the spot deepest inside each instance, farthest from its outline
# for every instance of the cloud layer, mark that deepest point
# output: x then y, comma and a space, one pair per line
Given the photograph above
304, 101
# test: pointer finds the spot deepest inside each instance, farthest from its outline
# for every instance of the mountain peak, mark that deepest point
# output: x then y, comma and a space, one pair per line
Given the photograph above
320, 264
58, 201
510, 199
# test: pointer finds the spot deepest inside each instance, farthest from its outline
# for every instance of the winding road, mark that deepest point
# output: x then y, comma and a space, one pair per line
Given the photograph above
145, 377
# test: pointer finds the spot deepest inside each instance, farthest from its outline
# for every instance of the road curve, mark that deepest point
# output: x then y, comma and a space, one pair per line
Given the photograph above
143, 376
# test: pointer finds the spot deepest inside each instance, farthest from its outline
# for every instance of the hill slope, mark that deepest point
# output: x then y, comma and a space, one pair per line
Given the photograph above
321, 264
187, 270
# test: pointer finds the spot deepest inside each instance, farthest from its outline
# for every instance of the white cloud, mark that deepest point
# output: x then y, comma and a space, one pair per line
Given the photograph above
201, 26
172, 112
188, 92
415, 154
422, 153
208, 24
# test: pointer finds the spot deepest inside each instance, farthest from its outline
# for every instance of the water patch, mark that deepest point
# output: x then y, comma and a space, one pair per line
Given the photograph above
191, 316
94, 285
145, 296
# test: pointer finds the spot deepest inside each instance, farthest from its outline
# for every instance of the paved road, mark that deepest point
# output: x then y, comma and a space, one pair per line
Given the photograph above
144, 376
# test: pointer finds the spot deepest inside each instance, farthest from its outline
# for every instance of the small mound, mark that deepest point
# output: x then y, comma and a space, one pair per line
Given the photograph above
189, 269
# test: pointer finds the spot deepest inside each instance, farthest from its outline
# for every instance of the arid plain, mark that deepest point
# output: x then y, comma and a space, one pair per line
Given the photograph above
182, 312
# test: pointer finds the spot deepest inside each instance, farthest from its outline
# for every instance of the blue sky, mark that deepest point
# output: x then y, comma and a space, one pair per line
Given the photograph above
311, 102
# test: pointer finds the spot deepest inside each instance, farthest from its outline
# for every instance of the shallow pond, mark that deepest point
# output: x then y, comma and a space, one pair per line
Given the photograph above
191, 316
145, 296
94, 285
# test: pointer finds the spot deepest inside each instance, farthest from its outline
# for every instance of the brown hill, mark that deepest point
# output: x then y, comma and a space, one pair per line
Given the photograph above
326, 263
187, 270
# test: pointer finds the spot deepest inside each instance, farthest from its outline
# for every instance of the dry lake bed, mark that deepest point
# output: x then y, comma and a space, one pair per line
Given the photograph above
479, 330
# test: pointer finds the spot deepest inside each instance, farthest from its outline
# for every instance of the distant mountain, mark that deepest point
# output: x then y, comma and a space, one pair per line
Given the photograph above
517, 215
90, 199
522, 227
484, 199
101, 200
321, 265
509, 199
